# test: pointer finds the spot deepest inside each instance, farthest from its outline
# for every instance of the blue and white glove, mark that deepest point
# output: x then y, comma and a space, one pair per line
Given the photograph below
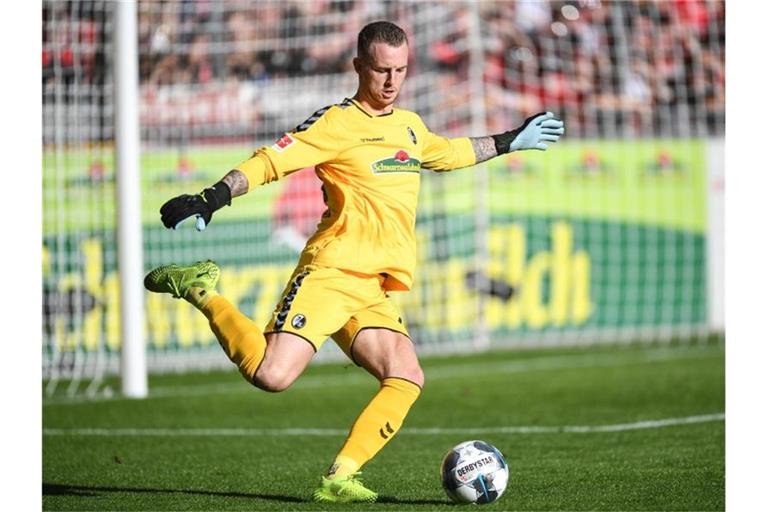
534, 133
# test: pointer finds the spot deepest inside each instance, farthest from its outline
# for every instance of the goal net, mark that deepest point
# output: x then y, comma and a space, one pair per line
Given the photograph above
603, 238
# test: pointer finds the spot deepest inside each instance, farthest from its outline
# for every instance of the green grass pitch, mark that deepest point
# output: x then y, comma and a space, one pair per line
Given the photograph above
655, 436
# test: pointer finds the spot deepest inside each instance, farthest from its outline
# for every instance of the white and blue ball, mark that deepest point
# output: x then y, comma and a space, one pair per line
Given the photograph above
474, 472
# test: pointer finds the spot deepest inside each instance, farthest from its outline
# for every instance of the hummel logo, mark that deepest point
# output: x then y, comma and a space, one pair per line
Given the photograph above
390, 430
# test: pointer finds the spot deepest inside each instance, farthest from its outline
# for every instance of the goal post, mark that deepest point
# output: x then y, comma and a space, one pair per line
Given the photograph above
133, 366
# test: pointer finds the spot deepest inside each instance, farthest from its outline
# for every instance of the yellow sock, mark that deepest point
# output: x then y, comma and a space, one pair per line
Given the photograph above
376, 425
241, 339
199, 297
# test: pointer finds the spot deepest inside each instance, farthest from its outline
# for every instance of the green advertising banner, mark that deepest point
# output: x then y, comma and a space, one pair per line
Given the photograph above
594, 237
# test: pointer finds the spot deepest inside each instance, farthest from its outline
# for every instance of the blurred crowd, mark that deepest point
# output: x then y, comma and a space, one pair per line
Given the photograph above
203, 41
631, 67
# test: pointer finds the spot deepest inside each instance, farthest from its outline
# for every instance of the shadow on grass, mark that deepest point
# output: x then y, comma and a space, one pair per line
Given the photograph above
84, 490
90, 491
393, 500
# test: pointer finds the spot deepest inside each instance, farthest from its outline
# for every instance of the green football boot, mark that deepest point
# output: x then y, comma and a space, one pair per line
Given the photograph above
349, 489
200, 277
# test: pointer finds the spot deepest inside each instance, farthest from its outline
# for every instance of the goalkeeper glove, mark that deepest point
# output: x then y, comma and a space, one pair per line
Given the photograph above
532, 134
201, 206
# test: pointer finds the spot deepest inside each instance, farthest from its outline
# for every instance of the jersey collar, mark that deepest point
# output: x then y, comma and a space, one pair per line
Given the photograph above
362, 109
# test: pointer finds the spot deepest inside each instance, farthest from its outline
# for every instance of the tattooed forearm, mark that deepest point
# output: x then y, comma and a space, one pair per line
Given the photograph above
485, 148
237, 182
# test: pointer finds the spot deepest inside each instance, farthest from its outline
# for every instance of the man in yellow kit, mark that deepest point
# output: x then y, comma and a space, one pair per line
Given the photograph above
368, 155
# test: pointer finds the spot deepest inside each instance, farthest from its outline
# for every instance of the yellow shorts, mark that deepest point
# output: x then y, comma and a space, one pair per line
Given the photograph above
322, 302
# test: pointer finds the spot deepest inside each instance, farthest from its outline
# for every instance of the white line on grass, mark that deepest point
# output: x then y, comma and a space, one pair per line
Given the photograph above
438, 372
253, 432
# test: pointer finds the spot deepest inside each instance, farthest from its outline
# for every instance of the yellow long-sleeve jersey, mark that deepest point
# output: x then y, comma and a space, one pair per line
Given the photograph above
370, 168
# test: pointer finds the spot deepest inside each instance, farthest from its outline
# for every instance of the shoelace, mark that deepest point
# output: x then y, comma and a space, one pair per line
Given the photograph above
354, 479
174, 286
357, 477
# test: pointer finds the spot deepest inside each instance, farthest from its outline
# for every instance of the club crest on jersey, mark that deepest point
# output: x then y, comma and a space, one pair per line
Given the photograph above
412, 135
298, 321
401, 162
283, 142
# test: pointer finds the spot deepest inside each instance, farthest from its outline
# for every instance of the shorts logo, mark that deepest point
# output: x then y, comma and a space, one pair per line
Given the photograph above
298, 321
412, 135
401, 162
283, 142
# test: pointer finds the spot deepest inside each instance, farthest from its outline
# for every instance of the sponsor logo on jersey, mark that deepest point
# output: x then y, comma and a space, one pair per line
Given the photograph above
371, 139
401, 162
283, 142
412, 135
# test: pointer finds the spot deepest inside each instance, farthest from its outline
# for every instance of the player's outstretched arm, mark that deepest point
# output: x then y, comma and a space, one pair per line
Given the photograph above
534, 133
201, 206
237, 182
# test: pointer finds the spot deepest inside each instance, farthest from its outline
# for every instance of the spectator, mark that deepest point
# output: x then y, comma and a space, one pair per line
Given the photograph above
609, 66
200, 66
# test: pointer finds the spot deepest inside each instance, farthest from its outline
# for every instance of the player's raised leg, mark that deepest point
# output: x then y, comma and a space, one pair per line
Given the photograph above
285, 358
390, 357
241, 339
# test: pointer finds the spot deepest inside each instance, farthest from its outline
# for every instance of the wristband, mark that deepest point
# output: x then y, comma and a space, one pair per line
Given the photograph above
503, 140
217, 196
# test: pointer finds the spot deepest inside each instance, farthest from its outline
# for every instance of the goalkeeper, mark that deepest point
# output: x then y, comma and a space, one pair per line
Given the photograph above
368, 155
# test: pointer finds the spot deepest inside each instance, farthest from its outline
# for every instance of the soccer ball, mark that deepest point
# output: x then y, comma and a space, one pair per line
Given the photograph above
474, 472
